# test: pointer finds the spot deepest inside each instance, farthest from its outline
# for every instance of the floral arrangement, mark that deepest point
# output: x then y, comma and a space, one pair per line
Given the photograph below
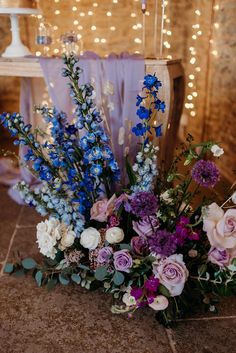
150, 243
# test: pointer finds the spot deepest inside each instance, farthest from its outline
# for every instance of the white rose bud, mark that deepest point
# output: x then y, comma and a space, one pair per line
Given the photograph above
90, 238
217, 150
159, 303
67, 240
114, 235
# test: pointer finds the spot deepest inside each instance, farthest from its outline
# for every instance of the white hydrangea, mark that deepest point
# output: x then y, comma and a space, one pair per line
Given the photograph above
53, 234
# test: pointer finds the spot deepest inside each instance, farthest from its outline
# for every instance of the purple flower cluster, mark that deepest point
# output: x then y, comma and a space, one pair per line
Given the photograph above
183, 232
162, 243
144, 204
205, 173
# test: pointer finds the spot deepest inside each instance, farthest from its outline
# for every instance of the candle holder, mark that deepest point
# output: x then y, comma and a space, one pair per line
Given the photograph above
16, 48
44, 36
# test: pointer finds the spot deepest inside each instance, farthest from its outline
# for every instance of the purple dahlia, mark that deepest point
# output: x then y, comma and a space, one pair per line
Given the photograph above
144, 204
162, 243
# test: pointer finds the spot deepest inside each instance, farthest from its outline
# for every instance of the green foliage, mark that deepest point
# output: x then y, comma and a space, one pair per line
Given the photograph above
101, 273
38, 278
118, 278
9, 268
76, 278
29, 264
63, 280
51, 283
131, 175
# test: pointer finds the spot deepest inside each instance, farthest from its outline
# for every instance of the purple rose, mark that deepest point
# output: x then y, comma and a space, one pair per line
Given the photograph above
139, 245
218, 256
104, 255
123, 260
146, 226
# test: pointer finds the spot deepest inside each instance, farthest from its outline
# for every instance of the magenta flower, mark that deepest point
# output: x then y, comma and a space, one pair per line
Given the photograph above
123, 260
136, 292
205, 173
152, 284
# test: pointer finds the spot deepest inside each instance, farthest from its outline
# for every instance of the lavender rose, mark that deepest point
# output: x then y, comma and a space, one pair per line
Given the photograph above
172, 273
104, 255
218, 256
146, 226
139, 245
123, 260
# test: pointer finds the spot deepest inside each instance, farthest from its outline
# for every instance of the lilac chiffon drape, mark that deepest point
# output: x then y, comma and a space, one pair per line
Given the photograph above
117, 81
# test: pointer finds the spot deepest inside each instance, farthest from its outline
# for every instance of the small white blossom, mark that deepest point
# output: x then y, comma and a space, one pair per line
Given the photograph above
233, 198
217, 150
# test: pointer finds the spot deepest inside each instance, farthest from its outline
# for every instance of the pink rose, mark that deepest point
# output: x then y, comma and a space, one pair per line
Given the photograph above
159, 303
147, 226
172, 273
102, 209
220, 257
220, 227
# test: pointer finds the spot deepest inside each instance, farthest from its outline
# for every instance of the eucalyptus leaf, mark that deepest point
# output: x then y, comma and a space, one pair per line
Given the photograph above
100, 273
19, 273
29, 263
38, 278
118, 278
76, 278
83, 267
51, 283
8, 268
125, 246
63, 280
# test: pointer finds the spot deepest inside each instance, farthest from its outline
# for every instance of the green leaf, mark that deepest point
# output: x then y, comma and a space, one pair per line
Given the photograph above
51, 283
63, 280
83, 267
76, 278
38, 278
100, 273
8, 268
202, 269
125, 246
118, 278
29, 263
131, 175
19, 273
164, 291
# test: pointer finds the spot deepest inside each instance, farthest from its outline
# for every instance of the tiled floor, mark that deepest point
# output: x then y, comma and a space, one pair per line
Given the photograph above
70, 319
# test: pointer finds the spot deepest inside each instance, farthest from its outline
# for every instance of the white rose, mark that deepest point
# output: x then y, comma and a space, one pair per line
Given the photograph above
128, 299
90, 238
114, 235
159, 303
46, 241
233, 197
67, 239
217, 150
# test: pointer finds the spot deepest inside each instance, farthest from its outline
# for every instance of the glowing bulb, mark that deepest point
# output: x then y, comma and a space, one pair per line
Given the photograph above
169, 57
194, 37
90, 13
82, 14
112, 28
135, 27
190, 97
56, 51
93, 28
167, 44
139, 25
133, 14
80, 27
138, 40
109, 14
57, 12
38, 53
103, 40
79, 36
216, 7
195, 94
198, 69
55, 28
192, 61
215, 52
76, 22
190, 84
216, 25
169, 33
95, 4
199, 33
115, 1
193, 113
74, 8
96, 40
198, 12
191, 77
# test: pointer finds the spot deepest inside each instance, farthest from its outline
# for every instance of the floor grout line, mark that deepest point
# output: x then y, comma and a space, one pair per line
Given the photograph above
171, 340
11, 242
210, 318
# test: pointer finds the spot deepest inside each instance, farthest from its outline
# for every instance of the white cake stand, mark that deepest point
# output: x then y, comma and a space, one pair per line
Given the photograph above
16, 48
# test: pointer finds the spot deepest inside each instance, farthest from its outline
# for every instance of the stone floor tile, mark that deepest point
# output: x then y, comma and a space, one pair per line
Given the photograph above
206, 336
9, 212
70, 319
29, 217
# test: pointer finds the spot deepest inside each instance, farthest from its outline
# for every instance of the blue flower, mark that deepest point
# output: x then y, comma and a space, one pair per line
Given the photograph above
139, 100
140, 129
151, 81
113, 165
143, 112
84, 144
71, 129
96, 170
107, 153
45, 173
159, 105
158, 130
